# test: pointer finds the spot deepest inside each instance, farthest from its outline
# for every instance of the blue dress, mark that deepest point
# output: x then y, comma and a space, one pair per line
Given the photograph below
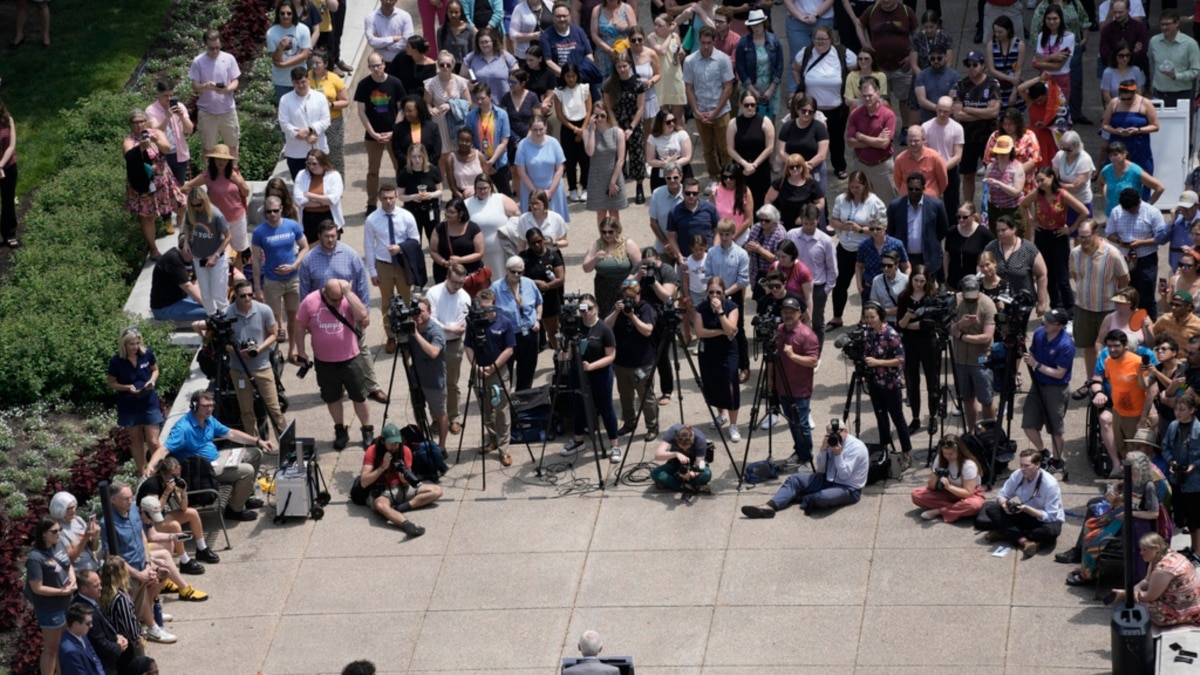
540, 163
1139, 144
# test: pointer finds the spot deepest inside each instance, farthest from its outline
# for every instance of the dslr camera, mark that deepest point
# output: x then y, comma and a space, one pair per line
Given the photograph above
942, 474
650, 274
1013, 507
628, 305
250, 347
403, 317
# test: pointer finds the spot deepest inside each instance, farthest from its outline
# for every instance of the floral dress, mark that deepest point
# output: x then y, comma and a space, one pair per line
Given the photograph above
164, 196
1180, 602
610, 34
885, 344
625, 110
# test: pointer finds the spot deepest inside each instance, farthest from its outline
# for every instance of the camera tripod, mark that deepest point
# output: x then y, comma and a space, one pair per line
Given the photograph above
220, 341
476, 383
403, 354
947, 375
1014, 343
768, 368
673, 337
575, 373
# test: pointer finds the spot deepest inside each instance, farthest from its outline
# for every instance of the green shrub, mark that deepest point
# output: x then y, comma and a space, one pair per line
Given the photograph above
95, 126
259, 150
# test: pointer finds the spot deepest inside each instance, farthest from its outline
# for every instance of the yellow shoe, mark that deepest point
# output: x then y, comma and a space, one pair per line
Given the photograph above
170, 587
170, 227
190, 593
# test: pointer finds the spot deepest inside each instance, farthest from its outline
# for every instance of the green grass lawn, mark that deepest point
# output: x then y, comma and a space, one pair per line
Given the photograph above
95, 46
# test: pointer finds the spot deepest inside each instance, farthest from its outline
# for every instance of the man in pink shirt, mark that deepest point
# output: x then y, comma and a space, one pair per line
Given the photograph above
215, 77
332, 315
870, 131
922, 159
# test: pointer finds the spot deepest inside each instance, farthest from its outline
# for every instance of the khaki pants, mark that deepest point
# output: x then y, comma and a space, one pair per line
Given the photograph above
375, 151
265, 381
495, 418
712, 138
241, 475
392, 281
629, 389
880, 178
454, 359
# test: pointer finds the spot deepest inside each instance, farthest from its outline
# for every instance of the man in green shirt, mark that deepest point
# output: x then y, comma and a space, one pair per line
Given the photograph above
1174, 60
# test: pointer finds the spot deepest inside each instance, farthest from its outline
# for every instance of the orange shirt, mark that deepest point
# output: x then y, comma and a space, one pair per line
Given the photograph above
1128, 398
930, 163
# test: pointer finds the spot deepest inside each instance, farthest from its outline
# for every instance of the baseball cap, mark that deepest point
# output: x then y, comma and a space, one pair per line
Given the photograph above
1188, 199
153, 508
1056, 315
790, 303
391, 434
1183, 295
973, 55
969, 287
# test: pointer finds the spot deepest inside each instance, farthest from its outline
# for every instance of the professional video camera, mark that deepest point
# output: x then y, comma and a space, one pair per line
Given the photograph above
766, 326
220, 327
570, 321
1012, 320
478, 321
853, 343
936, 312
401, 317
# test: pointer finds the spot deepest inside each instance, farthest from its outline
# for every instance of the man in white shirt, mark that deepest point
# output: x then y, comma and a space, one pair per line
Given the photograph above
214, 75
448, 305
304, 117
385, 230
841, 472
944, 135
388, 29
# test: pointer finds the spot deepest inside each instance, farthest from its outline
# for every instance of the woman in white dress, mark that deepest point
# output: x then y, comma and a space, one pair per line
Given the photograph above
490, 210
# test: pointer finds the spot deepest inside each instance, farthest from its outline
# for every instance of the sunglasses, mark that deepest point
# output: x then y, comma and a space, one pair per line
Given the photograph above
197, 206
963, 217
636, 41
972, 64
793, 166
766, 220
446, 65
670, 120
672, 178
875, 229
608, 231
691, 193
1124, 55
888, 266
774, 287
726, 176
806, 111
750, 104
1185, 266
272, 210
245, 295
716, 292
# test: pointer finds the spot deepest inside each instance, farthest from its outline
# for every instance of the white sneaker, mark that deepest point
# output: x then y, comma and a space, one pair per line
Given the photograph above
734, 434
1071, 328
770, 421
811, 423
574, 196
614, 455
583, 195
721, 421
157, 634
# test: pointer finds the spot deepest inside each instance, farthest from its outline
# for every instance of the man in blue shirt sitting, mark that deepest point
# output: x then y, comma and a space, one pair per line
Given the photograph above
193, 435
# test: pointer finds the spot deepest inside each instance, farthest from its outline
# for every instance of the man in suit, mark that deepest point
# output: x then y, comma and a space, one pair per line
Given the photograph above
920, 222
104, 638
75, 653
589, 647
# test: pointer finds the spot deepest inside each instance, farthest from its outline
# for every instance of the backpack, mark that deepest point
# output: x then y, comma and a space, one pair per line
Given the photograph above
427, 461
980, 443
198, 473
761, 471
840, 52
879, 464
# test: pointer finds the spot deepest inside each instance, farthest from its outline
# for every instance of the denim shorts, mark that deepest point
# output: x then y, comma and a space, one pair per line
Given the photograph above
49, 620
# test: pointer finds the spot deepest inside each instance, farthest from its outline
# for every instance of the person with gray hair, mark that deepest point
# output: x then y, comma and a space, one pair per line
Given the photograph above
663, 199
590, 646
763, 237
519, 299
1074, 168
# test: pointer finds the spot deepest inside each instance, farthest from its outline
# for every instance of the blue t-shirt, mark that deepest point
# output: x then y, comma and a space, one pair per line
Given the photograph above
278, 245
562, 49
1114, 185
1059, 353
500, 336
129, 538
188, 438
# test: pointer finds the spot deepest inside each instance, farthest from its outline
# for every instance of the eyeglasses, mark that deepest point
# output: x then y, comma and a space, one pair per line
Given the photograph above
1185, 266
672, 179
608, 231
806, 111
875, 229
285, 14
1124, 55
726, 176
669, 120
766, 220
888, 266
512, 83
272, 210
691, 193
636, 41
963, 217
54, 530
444, 65
716, 292
774, 287
245, 295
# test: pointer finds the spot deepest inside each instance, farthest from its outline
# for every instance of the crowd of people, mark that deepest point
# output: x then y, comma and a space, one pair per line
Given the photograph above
518, 110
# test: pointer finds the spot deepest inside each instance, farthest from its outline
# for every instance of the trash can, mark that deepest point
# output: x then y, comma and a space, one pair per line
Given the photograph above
1132, 643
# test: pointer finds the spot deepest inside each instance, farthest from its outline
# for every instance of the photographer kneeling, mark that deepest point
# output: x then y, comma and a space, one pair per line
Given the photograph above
386, 478
953, 490
1028, 511
682, 453
839, 479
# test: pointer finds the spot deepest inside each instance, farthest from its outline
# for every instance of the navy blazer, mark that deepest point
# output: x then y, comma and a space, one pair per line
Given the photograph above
77, 657
103, 636
936, 224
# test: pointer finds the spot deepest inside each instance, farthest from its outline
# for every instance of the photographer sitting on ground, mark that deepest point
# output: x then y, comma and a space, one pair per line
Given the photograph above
839, 479
953, 490
683, 466
386, 479
599, 349
1028, 511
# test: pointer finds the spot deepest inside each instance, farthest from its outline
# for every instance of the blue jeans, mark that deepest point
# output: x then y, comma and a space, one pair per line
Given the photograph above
186, 309
799, 36
796, 410
813, 491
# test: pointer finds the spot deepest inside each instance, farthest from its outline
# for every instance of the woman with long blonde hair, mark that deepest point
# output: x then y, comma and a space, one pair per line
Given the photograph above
613, 257
208, 235
133, 374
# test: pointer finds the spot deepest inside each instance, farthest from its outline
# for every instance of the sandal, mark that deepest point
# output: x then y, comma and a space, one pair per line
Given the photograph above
743, 376
1080, 393
13, 243
842, 175
665, 399
1076, 578
833, 324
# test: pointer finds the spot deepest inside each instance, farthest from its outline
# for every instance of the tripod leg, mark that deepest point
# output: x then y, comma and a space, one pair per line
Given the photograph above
638, 416
696, 374
759, 393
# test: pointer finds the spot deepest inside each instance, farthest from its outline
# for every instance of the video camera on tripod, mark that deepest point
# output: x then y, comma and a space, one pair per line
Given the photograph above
570, 321
853, 344
936, 312
478, 320
220, 328
1013, 319
402, 317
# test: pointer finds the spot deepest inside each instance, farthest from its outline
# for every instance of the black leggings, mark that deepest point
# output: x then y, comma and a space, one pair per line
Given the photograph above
889, 402
920, 353
576, 157
835, 120
846, 261
1056, 251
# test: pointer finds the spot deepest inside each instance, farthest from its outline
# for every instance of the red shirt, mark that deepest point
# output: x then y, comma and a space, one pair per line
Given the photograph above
871, 124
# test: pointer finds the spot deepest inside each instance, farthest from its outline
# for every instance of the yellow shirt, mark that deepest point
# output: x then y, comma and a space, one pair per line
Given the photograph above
331, 85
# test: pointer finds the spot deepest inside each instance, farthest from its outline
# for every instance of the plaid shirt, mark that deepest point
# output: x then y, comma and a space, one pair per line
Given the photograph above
319, 266
1146, 222
758, 264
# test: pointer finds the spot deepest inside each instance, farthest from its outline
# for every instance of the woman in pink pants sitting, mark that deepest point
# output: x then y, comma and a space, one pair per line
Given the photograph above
953, 490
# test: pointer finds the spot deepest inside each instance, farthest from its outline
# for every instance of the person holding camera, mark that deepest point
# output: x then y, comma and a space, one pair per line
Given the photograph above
169, 487
545, 267
254, 336
973, 331
918, 336
428, 343
632, 320
495, 343
953, 490
683, 464
386, 233
841, 473
662, 280
799, 351
521, 302
385, 481
715, 324
1181, 449
1119, 388
883, 355
598, 350
1028, 511
1051, 357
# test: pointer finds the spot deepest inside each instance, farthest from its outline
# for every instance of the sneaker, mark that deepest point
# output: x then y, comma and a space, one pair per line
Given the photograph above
793, 460
930, 514
191, 567
169, 587
1071, 328
573, 448
583, 195
245, 515
157, 634
614, 455
168, 618
412, 529
720, 422
207, 555
734, 434
770, 421
341, 437
190, 593
758, 512
574, 196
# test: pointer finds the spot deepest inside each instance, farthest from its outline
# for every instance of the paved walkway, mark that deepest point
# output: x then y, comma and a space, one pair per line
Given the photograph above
507, 578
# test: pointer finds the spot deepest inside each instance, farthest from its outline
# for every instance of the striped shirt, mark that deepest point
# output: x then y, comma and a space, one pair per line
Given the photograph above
817, 253
1146, 222
1096, 276
758, 264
